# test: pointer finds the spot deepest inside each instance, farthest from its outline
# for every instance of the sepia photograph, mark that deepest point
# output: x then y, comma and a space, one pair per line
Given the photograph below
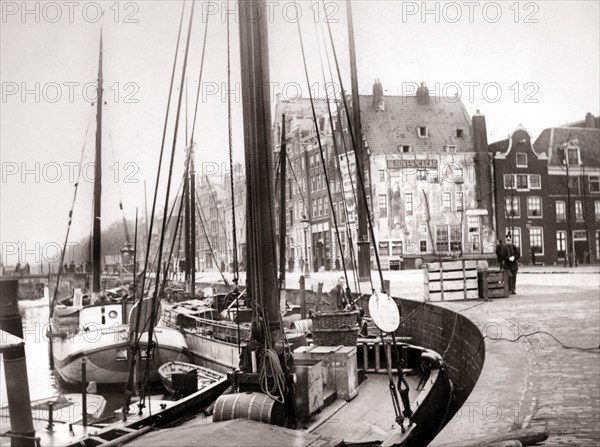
300, 223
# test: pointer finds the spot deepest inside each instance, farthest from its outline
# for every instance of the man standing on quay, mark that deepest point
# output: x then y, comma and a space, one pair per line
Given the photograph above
511, 254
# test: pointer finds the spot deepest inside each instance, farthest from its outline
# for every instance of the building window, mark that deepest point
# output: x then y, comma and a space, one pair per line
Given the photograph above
382, 205
408, 204
447, 202
433, 176
396, 248
521, 160
536, 240
597, 210
535, 181
451, 149
474, 234
423, 246
459, 202
455, 238
422, 131
458, 175
561, 244
512, 206
594, 183
597, 244
384, 248
381, 175
509, 181
561, 213
522, 181
421, 174
405, 148
573, 184
572, 156
441, 238
459, 133
578, 210
515, 232
534, 207
314, 208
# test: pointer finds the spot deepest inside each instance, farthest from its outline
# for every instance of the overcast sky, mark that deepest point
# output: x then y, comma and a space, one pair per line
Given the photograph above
529, 63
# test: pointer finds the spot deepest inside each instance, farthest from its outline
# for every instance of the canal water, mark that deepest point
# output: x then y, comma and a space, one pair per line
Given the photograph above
41, 378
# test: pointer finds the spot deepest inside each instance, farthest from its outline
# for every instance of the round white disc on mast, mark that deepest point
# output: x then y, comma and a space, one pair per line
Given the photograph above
384, 312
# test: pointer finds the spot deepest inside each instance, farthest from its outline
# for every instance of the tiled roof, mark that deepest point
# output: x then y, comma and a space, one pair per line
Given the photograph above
588, 142
498, 146
385, 131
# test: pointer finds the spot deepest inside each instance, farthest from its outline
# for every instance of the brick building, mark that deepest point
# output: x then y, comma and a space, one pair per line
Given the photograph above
547, 193
573, 192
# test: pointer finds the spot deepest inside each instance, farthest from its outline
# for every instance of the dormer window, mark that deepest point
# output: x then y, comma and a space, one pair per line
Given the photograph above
521, 160
422, 131
450, 149
573, 155
405, 148
459, 133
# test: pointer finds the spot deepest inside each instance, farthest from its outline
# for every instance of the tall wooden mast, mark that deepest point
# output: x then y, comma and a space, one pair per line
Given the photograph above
261, 262
96, 234
364, 251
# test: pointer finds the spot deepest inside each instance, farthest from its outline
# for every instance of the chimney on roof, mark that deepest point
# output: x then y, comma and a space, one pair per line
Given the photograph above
483, 172
423, 94
589, 121
378, 103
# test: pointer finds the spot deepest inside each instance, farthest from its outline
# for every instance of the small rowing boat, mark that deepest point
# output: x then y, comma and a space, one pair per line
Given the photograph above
174, 373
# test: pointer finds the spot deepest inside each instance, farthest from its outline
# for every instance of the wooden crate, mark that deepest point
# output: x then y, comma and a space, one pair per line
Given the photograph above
451, 280
493, 284
309, 386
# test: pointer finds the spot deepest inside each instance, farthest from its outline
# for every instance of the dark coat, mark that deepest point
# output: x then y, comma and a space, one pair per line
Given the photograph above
507, 251
339, 295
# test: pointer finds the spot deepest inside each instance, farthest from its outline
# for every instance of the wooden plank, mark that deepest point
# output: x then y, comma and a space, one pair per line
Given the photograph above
494, 276
451, 265
453, 285
454, 296
457, 274
527, 436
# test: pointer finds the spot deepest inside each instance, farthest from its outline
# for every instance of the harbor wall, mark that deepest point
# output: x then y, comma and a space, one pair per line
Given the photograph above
450, 334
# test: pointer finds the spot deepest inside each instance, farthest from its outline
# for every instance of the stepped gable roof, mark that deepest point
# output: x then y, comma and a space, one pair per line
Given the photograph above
386, 131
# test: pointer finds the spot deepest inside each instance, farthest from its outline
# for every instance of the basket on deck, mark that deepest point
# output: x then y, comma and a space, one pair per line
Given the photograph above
335, 328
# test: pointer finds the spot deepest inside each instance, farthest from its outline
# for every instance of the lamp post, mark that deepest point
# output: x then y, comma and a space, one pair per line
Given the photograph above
306, 222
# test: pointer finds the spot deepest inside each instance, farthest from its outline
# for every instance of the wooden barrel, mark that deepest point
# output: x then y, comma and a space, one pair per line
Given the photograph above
304, 326
255, 406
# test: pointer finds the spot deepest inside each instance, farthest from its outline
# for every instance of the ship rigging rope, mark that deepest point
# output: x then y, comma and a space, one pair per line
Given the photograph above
236, 269
112, 150
338, 170
219, 220
70, 219
353, 254
210, 247
316, 124
159, 168
155, 297
359, 173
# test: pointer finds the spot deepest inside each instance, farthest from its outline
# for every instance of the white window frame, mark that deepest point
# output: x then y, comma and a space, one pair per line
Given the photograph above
526, 188
531, 216
520, 164
595, 181
558, 239
422, 132
530, 183
382, 200
597, 210
511, 180
446, 197
564, 208
541, 253
579, 217
513, 200
459, 203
